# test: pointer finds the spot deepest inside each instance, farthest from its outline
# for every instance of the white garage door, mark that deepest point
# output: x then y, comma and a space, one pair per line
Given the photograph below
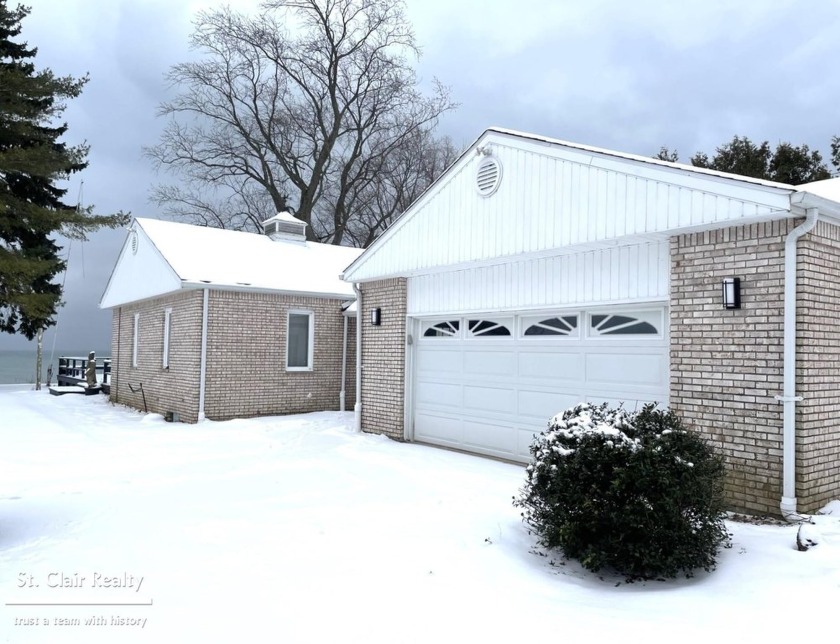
486, 384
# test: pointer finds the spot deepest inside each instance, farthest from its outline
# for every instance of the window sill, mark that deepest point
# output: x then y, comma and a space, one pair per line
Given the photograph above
298, 369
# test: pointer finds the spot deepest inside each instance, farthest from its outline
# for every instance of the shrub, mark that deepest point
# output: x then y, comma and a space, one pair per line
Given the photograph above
637, 493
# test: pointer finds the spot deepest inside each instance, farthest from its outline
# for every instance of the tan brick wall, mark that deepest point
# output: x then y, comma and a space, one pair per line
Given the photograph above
246, 357
173, 389
383, 358
818, 367
726, 366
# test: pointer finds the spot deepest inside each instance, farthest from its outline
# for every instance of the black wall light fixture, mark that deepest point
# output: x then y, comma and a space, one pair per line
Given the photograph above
731, 292
376, 316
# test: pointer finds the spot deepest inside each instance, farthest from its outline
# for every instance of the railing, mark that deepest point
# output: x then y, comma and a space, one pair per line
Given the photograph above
72, 370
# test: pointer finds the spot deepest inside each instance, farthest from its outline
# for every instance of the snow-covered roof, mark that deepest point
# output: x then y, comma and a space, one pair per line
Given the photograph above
827, 188
186, 256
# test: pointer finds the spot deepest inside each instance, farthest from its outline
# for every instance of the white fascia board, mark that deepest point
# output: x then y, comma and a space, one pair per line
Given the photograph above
130, 279
243, 288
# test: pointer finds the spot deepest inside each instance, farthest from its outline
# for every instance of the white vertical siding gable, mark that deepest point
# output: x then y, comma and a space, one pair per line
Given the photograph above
554, 197
141, 272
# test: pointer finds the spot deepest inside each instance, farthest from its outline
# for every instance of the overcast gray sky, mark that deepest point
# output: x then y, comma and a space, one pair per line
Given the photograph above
630, 76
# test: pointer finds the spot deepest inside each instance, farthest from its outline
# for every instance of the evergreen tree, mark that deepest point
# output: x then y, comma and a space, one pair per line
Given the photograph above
32, 161
788, 163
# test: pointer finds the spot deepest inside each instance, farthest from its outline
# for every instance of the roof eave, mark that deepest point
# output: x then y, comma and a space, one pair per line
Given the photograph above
244, 288
804, 200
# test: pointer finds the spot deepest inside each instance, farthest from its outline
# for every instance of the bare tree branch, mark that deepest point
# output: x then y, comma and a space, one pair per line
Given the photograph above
312, 104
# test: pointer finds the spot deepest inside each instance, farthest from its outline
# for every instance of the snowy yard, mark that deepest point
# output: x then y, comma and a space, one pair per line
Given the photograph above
296, 529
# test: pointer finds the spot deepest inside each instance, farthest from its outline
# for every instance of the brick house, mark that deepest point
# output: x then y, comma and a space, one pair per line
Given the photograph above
225, 324
537, 273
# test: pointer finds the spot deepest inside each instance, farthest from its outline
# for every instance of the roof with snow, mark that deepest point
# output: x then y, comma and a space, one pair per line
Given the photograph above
826, 189
160, 257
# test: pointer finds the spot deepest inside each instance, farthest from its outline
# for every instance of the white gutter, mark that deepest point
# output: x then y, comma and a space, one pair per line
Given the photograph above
342, 396
358, 407
789, 397
203, 376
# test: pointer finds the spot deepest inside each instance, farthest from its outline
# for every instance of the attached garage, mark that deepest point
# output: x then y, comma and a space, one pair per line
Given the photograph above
487, 383
536, 274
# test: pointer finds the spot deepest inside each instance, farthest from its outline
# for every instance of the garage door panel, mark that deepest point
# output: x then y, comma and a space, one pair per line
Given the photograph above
439, 360
500, 439
490, 399
489, 362
542, 405
551, 365
635, 369
524, 439
438, 429
438, 393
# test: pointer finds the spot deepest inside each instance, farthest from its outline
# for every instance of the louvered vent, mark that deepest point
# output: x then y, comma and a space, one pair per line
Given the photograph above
290, 228
488, 176
134, 242
285, 227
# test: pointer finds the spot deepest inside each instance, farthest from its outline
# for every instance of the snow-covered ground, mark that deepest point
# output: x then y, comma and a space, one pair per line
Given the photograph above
296, 529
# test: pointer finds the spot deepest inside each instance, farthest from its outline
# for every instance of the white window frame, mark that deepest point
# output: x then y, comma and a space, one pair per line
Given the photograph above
311, 339
167, 324
135, 340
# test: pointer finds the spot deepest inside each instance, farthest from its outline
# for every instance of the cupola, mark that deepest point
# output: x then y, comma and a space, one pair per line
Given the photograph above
285, 227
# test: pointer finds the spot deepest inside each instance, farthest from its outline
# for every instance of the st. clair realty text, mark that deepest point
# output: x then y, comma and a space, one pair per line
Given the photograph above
76, 580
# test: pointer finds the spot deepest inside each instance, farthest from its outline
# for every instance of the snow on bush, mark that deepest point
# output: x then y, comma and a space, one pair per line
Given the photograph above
633, 492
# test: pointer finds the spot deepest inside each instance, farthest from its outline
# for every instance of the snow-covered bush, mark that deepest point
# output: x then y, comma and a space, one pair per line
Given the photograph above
633, 492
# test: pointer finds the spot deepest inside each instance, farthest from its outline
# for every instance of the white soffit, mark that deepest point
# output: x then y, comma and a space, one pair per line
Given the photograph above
555, 196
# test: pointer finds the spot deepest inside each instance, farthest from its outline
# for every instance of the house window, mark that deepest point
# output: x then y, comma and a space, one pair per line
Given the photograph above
167, 321
300, 339
135, 339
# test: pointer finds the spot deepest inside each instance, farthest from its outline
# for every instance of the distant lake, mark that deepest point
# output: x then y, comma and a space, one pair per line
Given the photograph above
18, 367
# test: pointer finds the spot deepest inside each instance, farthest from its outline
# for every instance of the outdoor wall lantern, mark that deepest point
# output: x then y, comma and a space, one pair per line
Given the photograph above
376, 316
732, 293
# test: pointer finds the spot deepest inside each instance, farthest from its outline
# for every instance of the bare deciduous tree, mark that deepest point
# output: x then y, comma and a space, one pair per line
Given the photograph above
312, 105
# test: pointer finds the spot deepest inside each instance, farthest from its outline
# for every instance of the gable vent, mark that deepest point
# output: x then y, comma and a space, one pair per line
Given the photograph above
488, 176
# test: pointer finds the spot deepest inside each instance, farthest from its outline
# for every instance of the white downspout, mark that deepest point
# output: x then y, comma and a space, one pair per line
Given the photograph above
342, 395
203, 373
358, 407
789, 397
